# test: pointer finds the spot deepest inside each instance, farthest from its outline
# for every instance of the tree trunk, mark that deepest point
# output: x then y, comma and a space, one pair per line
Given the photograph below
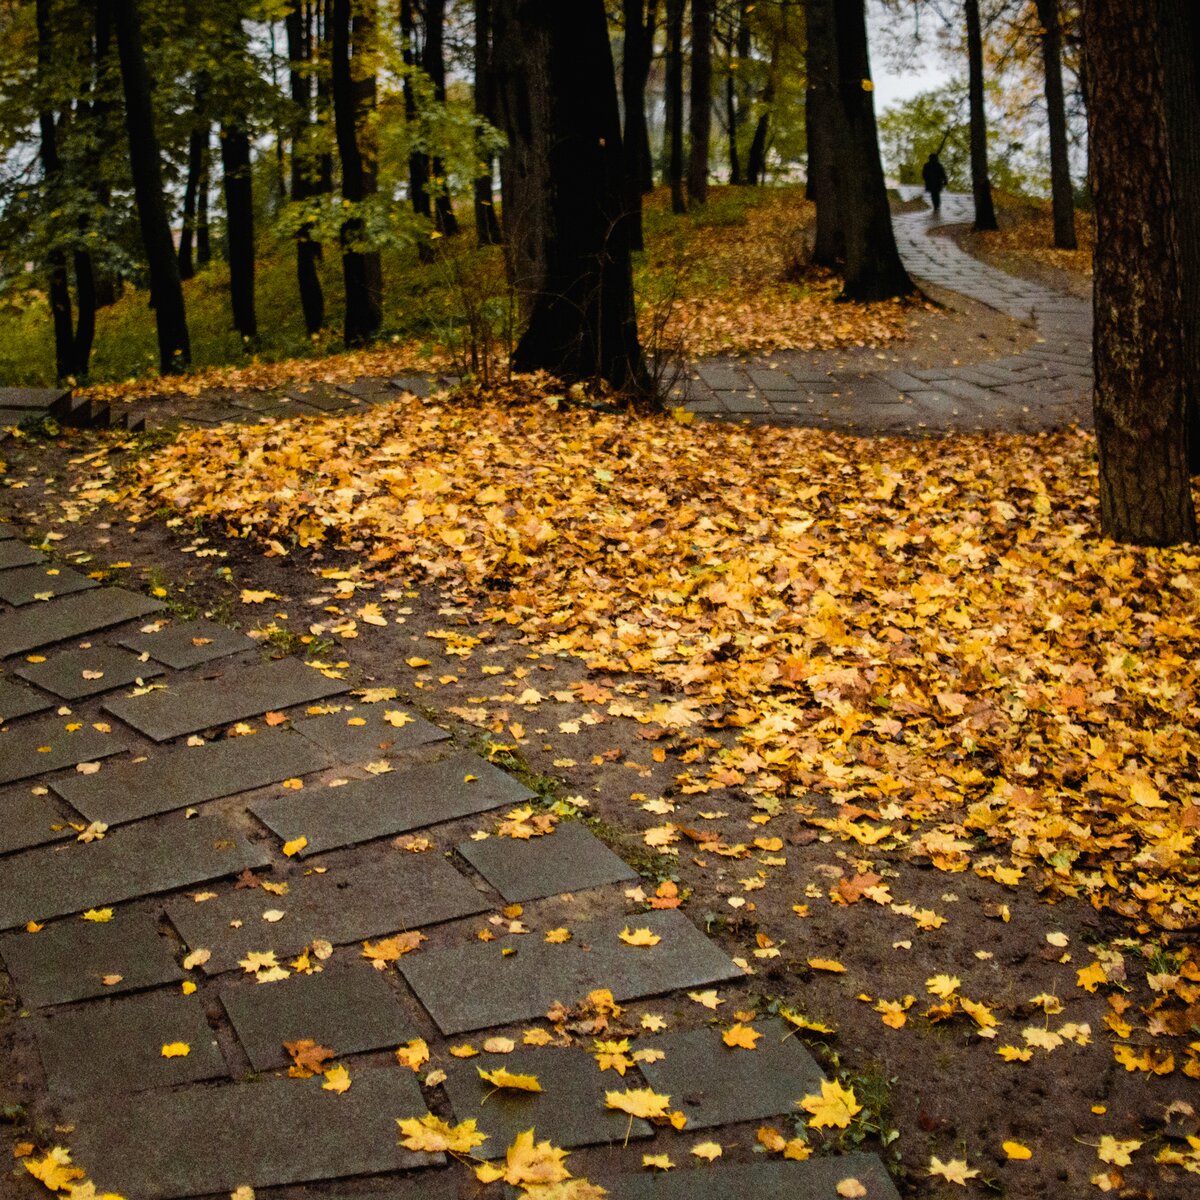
197, 152
1181, 65
487, 227
636, 54
674, 104
873, 267
1139, 354
239, 222
434, 63
85, 294
418, 160
564, 200
203, 238
1062, 199
174, 350
299, 26
700, 112
824, 104
985, 213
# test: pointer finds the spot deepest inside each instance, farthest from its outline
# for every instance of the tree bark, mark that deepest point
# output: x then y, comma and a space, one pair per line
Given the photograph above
85, 295
434, 63
418, 160
203, 237
487, 227
1062, 199
239, 222
197, 152
985, 212
700, 112
756, 156
1138, 340
638, 47
299, 27
829, 242
564, 200
674, 104
174, 350
873, 267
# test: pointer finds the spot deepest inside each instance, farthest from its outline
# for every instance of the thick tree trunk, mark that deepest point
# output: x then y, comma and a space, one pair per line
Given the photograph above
352, 101
700, 112
239, 222
299, 25
873, 267
1139, 354
487, 227
434, 62
824, 105
985, 212
85, 294
174, 350
1062, 199
197, 152
674, 104
637, 51
564, 200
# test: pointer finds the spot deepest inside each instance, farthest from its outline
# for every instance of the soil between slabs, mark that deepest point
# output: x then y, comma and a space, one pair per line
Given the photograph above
942, 1087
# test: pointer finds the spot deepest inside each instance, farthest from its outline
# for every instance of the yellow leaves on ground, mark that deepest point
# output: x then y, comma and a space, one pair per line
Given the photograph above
250, 596
706, 1150
431, 1135
612, 1055
834, 1108
1016, 1150
1120, 1154
954, 1171
1091, 977
55, 1169
388, 950
308, 1057
557, 937
639, 937
528, 1164
502, 1078
337, 1079
413, 1054
657, 1162
826, 964
741, 1036
294, 847
99, 915
176, 1050
639, 1102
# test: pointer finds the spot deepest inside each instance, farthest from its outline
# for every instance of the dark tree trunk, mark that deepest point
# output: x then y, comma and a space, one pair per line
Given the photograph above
873, 267
418, 160
105, 139
635, 71
731, 120
985, 213
735, 97
824, 105
756, 156
1062, 198
700, 112
85, 294
487, 227
352, 101
239, 223
434, 63
174, 350
299, 27
203, 239
674, 104
197, 153
1139, 354
564, 201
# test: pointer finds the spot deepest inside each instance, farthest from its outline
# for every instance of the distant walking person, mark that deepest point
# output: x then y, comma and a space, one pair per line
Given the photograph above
934, 175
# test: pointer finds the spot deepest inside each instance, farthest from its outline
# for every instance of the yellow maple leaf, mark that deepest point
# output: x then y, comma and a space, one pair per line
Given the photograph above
1120, 1154
337, 1079
797, 1149
414, 1054
292, 848
556, 937
250, 596
741, 1036
639, 1102
503, 1078
398, 719
850, 1188
388, 950
834, 1108
706, 1150
258, 960
954, 1171
826, 964
639, 937
466, 1050
1091, 977
657, 1162
99, 915
802, 1022
612, 1055
55, 1169
1016, 1150
534, 1164
708, 999
1014, 1053
943, 985
536, 1037
176, 1050
431, 1135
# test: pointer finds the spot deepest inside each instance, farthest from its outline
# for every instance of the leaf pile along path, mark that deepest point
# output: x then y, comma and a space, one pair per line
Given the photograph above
931, 632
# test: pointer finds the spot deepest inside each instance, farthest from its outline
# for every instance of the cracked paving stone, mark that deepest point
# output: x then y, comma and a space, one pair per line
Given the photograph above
197, 1141
570, 859
139, 860
28, 820
189, 776
343, 905
116, 1045
524, 985
407, 798
14, 553
176, 645
32, 585
37, 747
17, 701
64, 673
70, 617
373, 739
208, 703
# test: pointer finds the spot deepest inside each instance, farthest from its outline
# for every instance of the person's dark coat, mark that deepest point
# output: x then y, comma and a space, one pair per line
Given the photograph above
934, 175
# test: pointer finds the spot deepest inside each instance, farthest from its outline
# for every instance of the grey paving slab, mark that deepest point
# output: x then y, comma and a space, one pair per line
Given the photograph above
570, 859
17, 701
202, 1140
361, 733
70, 960
29, 585
347, 1008
116, 1045
189, 775
189, 643
14, 553
63, 674
35, 747
401, 891
407, 798
30, 397
419, 385
525, 984
322, 398
714, 1084
569, 1110
6, 532
814, 1179
28, 820
140, 860
71, 616
430, 1184
233, 696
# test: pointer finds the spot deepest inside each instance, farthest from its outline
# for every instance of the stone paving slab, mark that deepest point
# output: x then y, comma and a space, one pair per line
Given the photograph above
374, 739
176, 645
28, 585
34, 398
116, 1045
714, 1084
63, 673
343, 905
36, 747
524, 985
207, 703
189, 776
349, 1009
139, 860
813, 1179
69, 617
408, 798
17, 554
26, 820
6, 532
17, 701
570, 859
204, 1140
569, 1110
69, 960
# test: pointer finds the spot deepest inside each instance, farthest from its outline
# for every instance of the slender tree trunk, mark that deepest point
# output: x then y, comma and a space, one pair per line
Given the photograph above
824, 104
700, 112
487, 227
873, 267
1139, 354
1062, 199
299, 26
105, 141
197, 152
85, 294
239, 223
203, 237
434, 62
563, 176
985, 213
674, 104
635, 71
756, 156
418, 160
174, 350
736, 91
731, 120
